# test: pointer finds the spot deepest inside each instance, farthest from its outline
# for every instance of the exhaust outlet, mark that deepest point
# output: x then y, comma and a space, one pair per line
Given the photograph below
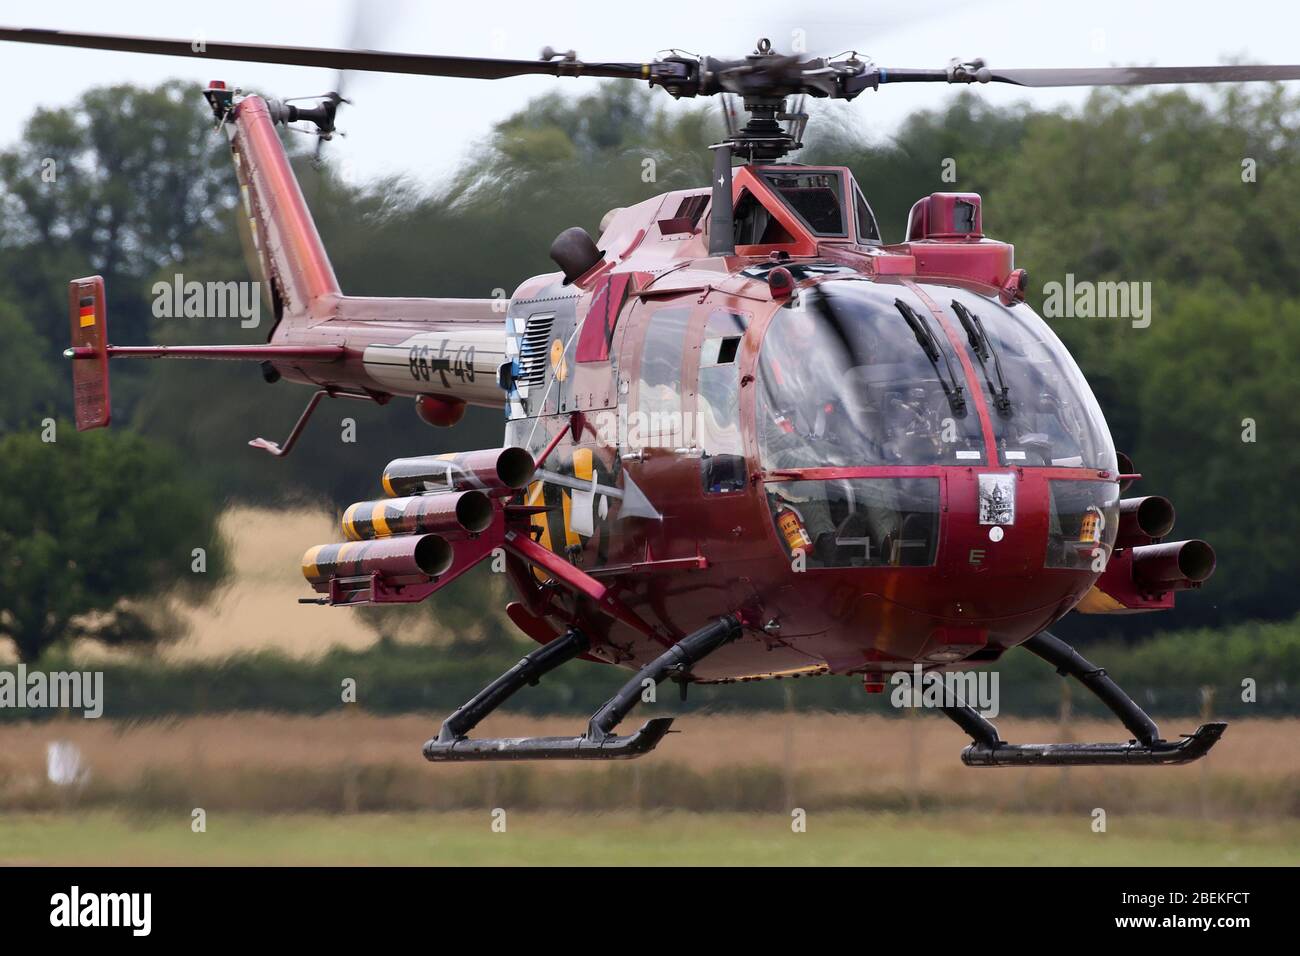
407, 558
444, 513
496, 471
1172, 566
1144, 519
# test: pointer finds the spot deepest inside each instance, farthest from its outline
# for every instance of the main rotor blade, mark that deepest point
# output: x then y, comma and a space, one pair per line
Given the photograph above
1145, 75
1093, 76
374, 61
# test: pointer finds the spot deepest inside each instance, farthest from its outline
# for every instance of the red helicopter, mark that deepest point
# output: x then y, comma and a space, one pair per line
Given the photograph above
745, 437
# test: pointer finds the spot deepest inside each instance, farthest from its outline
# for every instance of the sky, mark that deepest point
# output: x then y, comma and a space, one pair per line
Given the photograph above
421, 127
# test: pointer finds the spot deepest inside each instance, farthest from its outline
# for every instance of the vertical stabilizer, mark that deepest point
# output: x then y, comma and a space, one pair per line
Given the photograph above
289, 250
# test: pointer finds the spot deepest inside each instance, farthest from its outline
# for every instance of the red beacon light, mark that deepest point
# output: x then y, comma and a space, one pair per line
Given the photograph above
1013, 290
781, 282
220, 97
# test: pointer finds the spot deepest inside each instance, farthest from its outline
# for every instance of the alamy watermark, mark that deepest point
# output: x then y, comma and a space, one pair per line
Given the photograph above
179, 299
647, 429
133, 911
57, 690
1082, 299
920, 688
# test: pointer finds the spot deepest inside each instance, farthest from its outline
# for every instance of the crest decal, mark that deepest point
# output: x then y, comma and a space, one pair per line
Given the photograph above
997, 499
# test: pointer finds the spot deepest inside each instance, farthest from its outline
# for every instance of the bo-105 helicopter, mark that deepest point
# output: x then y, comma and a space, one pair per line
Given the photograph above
746, 438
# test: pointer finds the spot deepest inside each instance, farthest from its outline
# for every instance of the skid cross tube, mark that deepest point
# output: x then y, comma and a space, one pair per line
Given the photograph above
989, 750
675, 661
1070, 663
528, 671
599, 742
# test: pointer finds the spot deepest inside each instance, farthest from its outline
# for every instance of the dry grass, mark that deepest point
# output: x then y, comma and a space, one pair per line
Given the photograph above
886, 749
257, 607
818, 759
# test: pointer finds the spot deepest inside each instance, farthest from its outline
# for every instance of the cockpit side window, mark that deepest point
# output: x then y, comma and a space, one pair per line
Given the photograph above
722, 447
659, 386
868, 230
755, 226
816, 197
858, 522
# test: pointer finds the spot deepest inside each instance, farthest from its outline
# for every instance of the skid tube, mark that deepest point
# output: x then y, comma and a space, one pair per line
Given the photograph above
1147, 748
599, 742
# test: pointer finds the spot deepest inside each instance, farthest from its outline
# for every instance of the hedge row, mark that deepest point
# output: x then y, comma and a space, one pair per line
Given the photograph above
1167, 674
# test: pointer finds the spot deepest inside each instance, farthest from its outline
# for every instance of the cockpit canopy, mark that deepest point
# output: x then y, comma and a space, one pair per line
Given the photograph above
845, 380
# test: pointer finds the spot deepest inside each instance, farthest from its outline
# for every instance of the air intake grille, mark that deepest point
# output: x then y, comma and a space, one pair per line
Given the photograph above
533, 349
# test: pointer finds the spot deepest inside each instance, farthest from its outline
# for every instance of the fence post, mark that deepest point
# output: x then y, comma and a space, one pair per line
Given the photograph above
787, 762
1065, 735
1207, 714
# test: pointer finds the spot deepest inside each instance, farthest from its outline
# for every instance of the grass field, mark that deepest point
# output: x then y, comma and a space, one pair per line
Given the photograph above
352, 788
355, 762
625, 838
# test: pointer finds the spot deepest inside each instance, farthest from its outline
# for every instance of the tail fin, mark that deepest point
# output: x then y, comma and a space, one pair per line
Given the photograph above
289, 250
89, 322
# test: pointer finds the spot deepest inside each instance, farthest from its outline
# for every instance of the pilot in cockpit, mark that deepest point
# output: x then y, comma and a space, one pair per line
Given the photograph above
1043, 435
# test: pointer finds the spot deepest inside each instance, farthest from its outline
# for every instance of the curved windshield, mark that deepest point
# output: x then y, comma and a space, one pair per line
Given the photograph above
844, 381
1049, 417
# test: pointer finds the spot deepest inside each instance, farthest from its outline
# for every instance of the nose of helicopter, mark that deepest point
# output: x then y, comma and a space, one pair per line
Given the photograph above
1025, 538
1004, 553
1018, 550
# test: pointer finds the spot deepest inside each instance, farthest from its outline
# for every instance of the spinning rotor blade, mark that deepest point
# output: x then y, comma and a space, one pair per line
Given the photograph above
358, 25
467, 67
976, 72
764, 74
1146, 75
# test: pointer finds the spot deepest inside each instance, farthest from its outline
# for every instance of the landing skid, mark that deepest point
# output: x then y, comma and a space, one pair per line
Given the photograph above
990, 750
599, 742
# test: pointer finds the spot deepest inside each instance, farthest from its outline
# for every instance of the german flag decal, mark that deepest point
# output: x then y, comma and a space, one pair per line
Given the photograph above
88, 335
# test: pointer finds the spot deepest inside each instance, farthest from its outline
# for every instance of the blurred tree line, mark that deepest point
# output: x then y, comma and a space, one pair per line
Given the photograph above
1168, 672
1146, 188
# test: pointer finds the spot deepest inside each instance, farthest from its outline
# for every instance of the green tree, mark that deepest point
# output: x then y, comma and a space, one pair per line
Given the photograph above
28, 384
956, 148
1219, 416
121, 183
94, 528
